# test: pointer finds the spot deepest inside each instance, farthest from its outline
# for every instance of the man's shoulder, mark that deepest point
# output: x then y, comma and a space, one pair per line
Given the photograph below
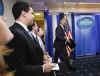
17, 31
15, 28
59, 28
15, 25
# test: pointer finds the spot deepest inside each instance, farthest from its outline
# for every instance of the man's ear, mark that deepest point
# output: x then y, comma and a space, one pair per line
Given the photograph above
23, 13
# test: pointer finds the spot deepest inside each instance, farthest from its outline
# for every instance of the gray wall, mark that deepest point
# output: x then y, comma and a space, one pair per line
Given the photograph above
8, 11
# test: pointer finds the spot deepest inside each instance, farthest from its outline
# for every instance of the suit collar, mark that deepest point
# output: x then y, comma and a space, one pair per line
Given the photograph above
23, 25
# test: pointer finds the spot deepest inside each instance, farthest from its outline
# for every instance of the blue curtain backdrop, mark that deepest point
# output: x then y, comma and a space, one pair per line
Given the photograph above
73, 33
97, 21
86, 34
1, 8
58, 19
48, 33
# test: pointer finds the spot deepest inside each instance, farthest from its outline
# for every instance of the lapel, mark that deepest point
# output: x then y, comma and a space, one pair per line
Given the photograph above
21, 29
24, 33
61, 29
37, 45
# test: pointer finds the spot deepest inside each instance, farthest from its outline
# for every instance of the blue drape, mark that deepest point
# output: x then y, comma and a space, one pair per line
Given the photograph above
73, 34
1, 8
86, 34
97, 22
58, 19
48, 33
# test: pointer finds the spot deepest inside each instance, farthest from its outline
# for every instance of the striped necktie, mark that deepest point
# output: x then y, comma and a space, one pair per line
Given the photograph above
30, 34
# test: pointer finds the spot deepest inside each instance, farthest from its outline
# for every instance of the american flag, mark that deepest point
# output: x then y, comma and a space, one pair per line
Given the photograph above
68, 36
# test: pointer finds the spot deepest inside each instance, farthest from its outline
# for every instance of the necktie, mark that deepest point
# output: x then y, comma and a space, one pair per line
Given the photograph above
37, 39
30, 34
64, 28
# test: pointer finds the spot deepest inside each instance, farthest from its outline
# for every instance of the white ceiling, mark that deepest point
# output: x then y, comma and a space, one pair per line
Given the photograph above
93, 1
65, 5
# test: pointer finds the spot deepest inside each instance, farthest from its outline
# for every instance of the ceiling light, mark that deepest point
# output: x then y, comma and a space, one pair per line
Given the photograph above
37, 14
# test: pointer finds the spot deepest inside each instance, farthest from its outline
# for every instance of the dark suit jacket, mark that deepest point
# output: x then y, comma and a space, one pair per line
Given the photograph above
59, 41
27, 57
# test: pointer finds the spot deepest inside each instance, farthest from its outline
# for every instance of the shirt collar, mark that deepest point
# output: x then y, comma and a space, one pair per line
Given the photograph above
23, 25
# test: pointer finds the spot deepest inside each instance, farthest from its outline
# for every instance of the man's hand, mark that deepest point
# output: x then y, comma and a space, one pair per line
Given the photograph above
47, 67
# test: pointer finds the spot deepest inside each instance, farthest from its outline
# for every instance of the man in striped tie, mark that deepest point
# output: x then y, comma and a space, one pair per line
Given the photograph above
60, 43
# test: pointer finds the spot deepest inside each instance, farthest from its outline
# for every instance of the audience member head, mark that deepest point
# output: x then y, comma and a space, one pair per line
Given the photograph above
63, 21
33, 27
40, 32
23, 12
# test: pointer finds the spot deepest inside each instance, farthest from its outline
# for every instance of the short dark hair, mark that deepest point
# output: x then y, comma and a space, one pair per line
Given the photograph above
62, 18
18, 7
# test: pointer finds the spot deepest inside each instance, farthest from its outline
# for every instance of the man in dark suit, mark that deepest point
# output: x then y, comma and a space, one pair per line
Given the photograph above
26, 58
60, 43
